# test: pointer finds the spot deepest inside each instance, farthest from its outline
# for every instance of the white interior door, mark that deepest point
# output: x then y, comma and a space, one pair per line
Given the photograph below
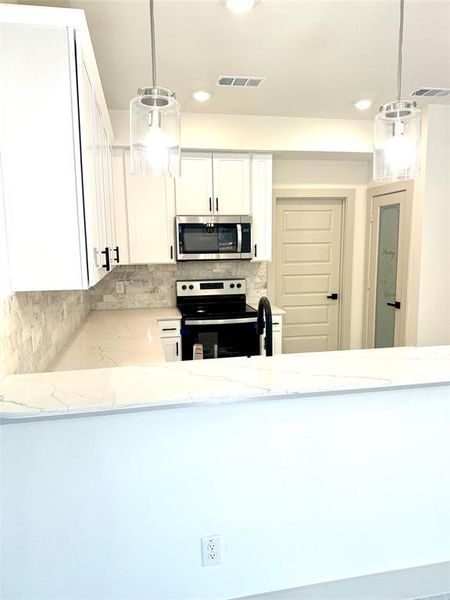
387, 270
231, 179
308, 272
194, 193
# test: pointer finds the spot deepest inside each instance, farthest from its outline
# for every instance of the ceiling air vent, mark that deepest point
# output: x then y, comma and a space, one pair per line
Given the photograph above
432, 92
239, 81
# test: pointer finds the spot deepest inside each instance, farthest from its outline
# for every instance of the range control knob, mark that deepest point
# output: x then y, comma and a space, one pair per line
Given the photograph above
231, 285
184, 287
191, 287
239, 285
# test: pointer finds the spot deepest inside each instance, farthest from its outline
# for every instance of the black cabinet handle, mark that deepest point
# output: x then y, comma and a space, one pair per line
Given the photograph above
395, 304
333, 296
169, 328
217, 204
171, 252
116, 251
107, 264
210, 205
256, 250
177, 349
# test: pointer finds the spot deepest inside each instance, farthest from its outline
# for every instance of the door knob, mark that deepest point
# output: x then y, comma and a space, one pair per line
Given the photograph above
395, 304
333, 296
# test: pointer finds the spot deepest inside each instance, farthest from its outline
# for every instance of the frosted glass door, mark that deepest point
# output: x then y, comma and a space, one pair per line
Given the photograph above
387, 262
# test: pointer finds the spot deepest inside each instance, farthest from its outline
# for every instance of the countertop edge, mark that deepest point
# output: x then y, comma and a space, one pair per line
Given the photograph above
11, 418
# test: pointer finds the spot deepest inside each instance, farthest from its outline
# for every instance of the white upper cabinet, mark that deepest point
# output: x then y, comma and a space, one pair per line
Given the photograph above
231, 183
194, 191
151, 217
94, 230
216, 184
120, 205
55, 138
261, 186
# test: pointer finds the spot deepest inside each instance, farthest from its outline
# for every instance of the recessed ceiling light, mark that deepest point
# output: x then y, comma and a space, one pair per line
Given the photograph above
240, 6
201, 96
363, 104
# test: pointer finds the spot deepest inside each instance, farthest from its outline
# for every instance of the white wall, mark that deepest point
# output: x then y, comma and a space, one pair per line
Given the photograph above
335, 174
434, 286
273, 134
303, 491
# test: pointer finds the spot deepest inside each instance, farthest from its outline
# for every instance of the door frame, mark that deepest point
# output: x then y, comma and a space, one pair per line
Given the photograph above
404, 244
347, 196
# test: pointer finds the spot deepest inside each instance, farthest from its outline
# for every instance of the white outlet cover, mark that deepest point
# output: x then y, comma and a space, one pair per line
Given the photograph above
211, 550
120, 287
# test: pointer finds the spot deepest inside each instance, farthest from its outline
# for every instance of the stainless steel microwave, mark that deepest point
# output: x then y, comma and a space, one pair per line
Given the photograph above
214, 238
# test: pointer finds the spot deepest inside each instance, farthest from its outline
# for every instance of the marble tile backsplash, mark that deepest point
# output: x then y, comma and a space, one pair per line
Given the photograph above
34, 326
154, 285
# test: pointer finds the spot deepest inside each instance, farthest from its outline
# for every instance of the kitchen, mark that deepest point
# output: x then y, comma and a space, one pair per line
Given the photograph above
275, 198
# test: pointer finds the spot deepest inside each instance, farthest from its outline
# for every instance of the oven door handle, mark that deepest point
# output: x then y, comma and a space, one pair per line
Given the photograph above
220, 321
239, 238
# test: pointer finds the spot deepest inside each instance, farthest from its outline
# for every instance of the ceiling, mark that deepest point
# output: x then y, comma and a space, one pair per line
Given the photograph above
319, 56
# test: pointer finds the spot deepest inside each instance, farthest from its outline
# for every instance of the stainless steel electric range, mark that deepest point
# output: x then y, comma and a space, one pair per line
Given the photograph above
216, 321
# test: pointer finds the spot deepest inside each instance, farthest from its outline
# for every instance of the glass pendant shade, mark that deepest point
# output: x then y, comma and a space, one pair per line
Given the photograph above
155, 132
397, 142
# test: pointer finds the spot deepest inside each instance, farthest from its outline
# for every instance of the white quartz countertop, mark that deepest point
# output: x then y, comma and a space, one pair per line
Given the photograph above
118, 338
97, 391
115, 338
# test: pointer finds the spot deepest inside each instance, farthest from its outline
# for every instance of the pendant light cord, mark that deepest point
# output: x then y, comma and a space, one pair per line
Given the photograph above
400, 51
153, 42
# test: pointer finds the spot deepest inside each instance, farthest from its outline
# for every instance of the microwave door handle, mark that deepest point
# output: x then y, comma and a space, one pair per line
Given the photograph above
239, 238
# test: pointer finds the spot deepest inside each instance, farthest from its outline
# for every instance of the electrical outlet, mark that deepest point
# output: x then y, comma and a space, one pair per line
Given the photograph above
120, 287
211, 550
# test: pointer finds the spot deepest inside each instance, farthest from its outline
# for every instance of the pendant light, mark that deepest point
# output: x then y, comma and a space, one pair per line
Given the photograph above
155, 125
396, 153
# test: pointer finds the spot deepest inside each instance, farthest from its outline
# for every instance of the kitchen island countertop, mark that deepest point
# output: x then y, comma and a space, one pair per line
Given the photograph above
107, 390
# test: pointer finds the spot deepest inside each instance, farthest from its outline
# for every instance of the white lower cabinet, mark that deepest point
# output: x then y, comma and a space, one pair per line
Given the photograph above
172, 348
277, 334
169, 333
151, 217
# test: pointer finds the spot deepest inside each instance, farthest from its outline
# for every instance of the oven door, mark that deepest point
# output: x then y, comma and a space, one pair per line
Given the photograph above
206, 238
220, 338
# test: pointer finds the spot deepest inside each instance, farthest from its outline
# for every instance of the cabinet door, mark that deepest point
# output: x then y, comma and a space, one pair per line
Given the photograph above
172, 348
231, 180
42, 179
277, 343
110, 223
151, 217
112, 203
120, 205
194, 194
261, 209
99, 179
277, 334
94, 236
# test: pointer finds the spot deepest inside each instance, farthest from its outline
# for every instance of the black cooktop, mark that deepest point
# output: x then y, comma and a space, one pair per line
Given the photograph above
202, 309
